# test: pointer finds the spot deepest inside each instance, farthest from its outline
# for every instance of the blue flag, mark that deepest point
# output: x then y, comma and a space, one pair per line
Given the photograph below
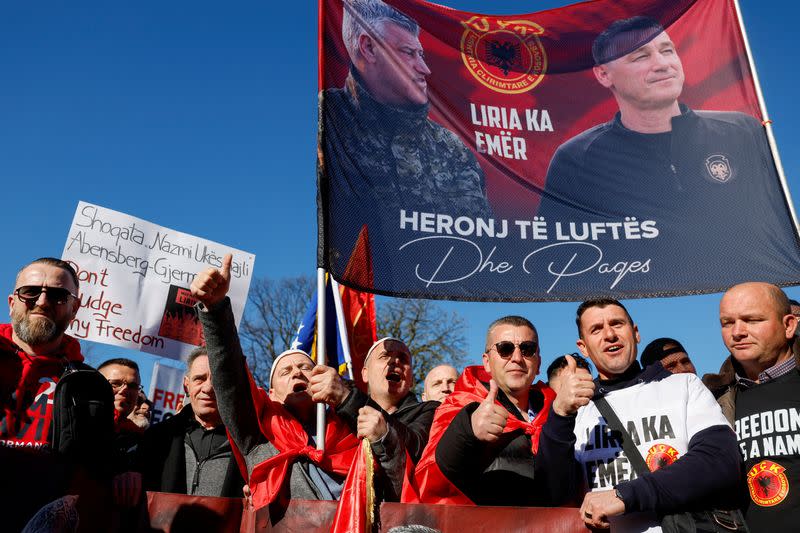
306, 338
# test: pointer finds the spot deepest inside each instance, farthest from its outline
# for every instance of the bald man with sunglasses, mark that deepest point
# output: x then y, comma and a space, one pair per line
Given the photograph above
488, 439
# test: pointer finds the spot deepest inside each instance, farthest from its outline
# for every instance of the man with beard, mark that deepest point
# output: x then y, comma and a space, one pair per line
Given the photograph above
143, 412
44, 301
390, 417
273, 432
36, 354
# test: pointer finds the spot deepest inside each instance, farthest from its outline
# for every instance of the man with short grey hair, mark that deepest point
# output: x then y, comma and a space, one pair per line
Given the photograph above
189, 453
383, 109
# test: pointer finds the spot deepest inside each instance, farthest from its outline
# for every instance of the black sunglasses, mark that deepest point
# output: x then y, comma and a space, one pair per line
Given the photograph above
505, 349
30, 294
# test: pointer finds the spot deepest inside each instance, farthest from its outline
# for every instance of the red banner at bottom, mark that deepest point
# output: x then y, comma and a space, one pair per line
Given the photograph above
170, 513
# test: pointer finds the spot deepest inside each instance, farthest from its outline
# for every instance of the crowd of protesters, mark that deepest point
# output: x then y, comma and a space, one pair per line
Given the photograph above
487, 434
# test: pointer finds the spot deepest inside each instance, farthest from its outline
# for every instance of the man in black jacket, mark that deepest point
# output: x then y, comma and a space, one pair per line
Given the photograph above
391, 417
190, 453
488, 444
673, 168
757, 390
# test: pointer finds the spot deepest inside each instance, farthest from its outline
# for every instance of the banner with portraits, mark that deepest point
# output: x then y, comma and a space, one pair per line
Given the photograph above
608, 148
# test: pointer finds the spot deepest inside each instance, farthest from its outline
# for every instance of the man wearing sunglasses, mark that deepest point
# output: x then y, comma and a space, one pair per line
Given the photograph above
487, 443
42, 305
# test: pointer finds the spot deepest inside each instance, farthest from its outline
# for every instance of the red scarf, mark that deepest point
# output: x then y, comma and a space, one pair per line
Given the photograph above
428, 484
27, 418
286, 433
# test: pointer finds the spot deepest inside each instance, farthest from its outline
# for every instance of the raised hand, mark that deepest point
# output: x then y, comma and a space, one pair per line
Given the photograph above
326, 386
211, 285
576, 390
489, 419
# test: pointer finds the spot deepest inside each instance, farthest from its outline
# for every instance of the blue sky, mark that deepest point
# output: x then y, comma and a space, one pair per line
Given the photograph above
201, 116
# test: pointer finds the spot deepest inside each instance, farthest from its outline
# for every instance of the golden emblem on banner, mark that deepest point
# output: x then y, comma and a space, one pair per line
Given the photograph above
504, 55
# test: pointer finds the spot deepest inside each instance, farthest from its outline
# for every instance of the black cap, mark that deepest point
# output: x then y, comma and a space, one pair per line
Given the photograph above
623, 37
655, 350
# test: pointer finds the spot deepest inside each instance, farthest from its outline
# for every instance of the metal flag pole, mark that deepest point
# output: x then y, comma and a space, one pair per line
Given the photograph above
342, 327
767, 122
321, 355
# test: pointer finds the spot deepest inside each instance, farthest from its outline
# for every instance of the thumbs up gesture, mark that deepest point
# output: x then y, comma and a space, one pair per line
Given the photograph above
489, 419
576, 389
211, 285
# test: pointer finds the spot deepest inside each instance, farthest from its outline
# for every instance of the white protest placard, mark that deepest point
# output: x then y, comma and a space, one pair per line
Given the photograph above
166, 391
134, 281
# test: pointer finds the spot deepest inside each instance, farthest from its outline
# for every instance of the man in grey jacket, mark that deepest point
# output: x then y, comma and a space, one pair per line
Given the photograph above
263, 427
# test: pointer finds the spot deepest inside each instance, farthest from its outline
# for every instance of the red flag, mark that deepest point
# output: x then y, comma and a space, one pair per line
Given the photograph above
355, 512
359, 307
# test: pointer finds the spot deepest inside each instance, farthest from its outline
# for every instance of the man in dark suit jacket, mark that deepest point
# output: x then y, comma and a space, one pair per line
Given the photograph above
190, 453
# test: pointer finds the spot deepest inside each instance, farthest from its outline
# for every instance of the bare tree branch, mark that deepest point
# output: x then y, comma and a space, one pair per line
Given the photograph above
274, 311
434, 336
276, 307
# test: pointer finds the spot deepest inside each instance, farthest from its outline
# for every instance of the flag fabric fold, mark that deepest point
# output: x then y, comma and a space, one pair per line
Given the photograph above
358, 310
356, 510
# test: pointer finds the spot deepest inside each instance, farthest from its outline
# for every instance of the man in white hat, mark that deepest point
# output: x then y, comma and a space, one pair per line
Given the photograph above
390, 416
274, 431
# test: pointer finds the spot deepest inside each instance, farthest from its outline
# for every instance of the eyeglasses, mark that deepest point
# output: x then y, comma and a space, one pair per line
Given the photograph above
119, 384
30, 294
505, 349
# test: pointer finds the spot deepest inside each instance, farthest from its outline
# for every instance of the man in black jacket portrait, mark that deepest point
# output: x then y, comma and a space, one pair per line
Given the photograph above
689, 173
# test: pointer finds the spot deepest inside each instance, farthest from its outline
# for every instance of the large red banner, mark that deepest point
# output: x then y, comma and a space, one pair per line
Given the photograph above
605, 148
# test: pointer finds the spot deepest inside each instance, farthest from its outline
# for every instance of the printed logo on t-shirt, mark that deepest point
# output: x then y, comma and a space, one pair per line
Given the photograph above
660, 455
719, 168
767, 483
774, 433
604, 460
